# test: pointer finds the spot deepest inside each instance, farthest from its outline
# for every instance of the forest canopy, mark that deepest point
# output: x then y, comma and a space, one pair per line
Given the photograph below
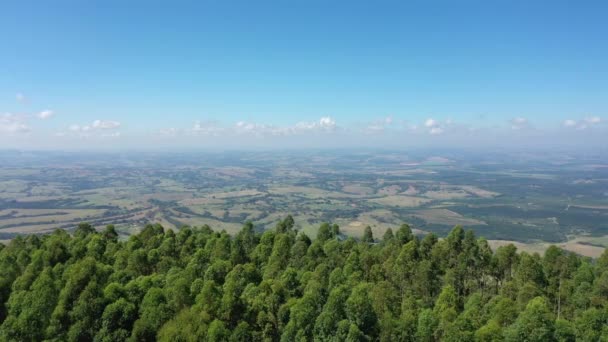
196, 284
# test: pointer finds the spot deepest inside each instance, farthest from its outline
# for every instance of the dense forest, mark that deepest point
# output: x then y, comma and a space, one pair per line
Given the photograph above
279, 285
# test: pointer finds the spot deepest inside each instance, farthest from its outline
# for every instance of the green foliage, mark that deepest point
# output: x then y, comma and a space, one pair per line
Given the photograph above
84, 229
201, 285
589, 325
404, 234
368, 236
490, 332
564, 331
535, 323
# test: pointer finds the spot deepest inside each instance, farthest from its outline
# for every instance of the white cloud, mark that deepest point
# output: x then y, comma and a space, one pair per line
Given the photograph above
379, 126
583, 124
519, 123
45, 114
259, 130
303, 125
94, 129
430, 123
438, 127
79, 128
11, 123
435, 127
105, 124
170, 132
436, 130
592, 120
243, 127
374, 128
327, 123
207, 128
381, 129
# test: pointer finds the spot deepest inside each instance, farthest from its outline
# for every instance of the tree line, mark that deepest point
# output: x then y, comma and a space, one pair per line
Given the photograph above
196, 284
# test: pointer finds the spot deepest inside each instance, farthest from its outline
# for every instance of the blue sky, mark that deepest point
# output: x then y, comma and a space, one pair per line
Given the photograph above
295, 73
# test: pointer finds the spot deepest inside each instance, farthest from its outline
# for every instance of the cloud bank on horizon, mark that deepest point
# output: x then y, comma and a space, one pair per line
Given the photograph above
33, 130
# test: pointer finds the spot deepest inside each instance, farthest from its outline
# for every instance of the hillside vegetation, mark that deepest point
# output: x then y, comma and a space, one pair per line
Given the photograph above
199, 285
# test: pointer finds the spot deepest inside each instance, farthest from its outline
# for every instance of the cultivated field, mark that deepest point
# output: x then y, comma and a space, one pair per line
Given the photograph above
532, 200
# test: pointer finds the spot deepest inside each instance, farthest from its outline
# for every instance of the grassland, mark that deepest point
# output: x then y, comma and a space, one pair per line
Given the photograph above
532, 201
578, 245
401, 201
